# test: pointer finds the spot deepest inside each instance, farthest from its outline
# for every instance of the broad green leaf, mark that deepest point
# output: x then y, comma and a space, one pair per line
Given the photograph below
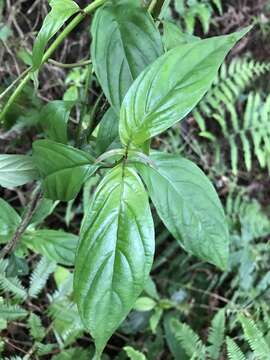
134, 354
155, 319
144, 304
125, 41
9, 221
173, 36
61, 11
108, 132
171, 87
16, 170
54, 117
44, 209
115, 253
57, 246
63, 168
189, 206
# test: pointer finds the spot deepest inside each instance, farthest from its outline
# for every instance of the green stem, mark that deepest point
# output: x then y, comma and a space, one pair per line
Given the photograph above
69, 66
152, 6
21, 76
73, 24
13, 97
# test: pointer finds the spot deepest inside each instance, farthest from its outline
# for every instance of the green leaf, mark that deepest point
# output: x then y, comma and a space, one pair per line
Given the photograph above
11, 284
218, 4
125, 41
16, 170
144, 304
171, 87
54, 117
155, 319
57, 246
115, 253
37, 331
189, 206
74, 353
134, 354
9, 221
61, 11
108, 133
45, 208
255, 338
189, 340
40, 275
173, 36
234, 352
63, 168
216, 335
11, 312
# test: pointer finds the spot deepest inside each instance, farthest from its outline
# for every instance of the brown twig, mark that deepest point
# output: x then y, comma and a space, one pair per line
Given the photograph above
33, 205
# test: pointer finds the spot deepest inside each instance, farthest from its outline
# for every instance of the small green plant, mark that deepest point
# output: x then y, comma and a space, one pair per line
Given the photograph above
191, 11
195, 349
148, 91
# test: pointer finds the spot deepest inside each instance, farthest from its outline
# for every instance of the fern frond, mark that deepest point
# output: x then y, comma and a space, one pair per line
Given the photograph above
248, 213
216, 335
67, 322
250, 135
134, 354
44, 349
233, 350
190, 341
37, 331
40, 276
255, 338
74, 353
12, 285
232, 80
11, 312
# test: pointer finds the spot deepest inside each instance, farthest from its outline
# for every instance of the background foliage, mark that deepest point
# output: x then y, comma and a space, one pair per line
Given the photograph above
189, 309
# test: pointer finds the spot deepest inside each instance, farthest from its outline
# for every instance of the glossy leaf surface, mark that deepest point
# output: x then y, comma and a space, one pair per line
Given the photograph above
57, 246
125, 41
173, 36
61, 11
171, 87
189, 206
115, 253
108, 133
54, 117
16, 170
63, 168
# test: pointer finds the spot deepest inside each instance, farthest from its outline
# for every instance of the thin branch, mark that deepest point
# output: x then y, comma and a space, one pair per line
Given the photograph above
69, 66
61, 37
33, 205
14, 83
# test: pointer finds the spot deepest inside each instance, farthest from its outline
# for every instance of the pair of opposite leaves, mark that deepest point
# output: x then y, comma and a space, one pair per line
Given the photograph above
116, 249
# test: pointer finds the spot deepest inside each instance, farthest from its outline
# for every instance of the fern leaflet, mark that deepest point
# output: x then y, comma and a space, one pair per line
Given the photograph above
233, 350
